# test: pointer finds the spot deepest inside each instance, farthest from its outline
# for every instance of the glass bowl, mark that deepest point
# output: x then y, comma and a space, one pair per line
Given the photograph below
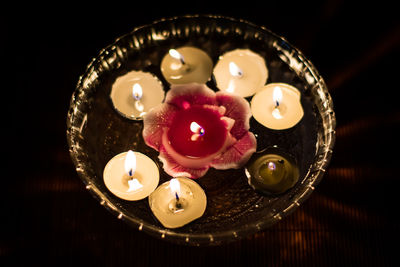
96, 132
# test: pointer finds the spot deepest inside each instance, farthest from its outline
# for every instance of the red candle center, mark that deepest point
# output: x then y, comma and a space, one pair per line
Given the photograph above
197, 132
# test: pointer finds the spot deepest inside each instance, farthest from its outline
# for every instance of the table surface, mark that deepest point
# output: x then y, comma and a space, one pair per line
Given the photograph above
48, 217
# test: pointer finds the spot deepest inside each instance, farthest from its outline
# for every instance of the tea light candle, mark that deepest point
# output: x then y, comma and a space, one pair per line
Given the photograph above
277, 106
241, 72
186, 65
178, 202
272, 171
196, 135
135, 93
131, 175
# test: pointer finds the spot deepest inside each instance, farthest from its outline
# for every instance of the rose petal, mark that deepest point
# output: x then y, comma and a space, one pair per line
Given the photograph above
235, 113
237, 108
174, 169
229, 122
219, 109
237, 155
184, 95
155, 121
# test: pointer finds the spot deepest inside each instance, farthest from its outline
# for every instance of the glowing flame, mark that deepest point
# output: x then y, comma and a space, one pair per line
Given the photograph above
277, 95
175, 187
137, 91
175, 54
197, 130
271, 166
235, 70
130, 168
130, 163
277, 98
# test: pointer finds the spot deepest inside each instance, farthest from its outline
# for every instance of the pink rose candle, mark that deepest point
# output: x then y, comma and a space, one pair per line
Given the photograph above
197, 132
196, 129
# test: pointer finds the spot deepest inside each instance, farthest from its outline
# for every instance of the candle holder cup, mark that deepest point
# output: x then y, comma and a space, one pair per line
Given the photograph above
96, 131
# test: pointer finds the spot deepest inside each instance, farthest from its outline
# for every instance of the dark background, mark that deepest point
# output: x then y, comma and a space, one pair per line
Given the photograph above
47, 216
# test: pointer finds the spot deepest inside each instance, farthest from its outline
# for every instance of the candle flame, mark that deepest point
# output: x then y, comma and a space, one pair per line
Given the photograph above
235, 70
175, 54
277, 95
277, 98
175, 187
196, 128
137, 91
130, 163
271, 166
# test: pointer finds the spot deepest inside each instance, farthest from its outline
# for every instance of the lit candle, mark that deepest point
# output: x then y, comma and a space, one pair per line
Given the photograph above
196, 128
241, 72
178, 202
277, 106
196, 135
131, 175
135, 93
272, 171
186, 65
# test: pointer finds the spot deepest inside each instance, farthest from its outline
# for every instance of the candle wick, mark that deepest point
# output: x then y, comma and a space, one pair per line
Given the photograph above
201, 131
137, 96
130, 173
178, 204
276, 104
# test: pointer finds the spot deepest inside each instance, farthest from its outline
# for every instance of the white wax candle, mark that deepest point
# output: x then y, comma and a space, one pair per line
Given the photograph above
186, 65
178, 202
135, 93
277, 106
241, 72
128, 180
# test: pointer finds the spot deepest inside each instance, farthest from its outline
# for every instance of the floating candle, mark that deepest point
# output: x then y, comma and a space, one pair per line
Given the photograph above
272, 171
135, 93
241, 72
277, 106
196, 128
196, 136
197, 132
131, 175
178, 202
186, 65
